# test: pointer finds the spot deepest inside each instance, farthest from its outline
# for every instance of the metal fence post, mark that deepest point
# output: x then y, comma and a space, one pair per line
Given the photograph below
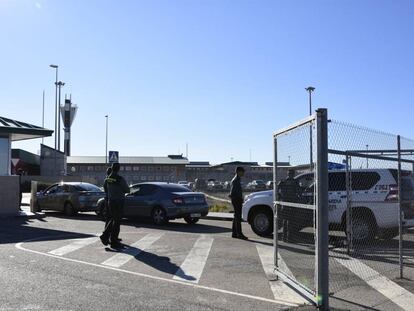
275, 220
400, 222
322, 250
348, 205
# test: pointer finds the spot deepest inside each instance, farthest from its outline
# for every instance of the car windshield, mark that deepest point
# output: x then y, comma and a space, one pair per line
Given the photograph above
260, 182
87, 187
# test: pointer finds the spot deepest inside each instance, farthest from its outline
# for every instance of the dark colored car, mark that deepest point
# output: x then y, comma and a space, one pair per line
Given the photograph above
69, 197
162, 202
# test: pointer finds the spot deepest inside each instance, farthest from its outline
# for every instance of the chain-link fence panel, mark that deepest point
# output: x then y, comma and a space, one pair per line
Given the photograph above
367, 199
295, 197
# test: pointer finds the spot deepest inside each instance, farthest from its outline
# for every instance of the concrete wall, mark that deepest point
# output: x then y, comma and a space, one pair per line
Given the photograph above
9, 195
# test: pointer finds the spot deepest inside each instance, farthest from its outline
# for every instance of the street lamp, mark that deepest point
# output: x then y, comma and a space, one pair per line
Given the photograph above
56, 67
367, 154
106, 141
59, 85
310, 89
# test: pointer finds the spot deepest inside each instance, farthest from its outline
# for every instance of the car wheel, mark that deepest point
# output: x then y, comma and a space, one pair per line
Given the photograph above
191, 220
102, 211
261, 222
69, 210
159, 216
363, 228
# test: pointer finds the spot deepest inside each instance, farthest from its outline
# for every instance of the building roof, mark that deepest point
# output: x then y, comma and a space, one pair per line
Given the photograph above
128, 160
25, 156
21, 130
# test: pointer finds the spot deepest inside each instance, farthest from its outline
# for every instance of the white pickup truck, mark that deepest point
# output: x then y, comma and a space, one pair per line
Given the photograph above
374, 201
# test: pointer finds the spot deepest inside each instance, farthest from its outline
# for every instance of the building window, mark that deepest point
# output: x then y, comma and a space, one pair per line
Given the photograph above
136, 168
158, 168
143, 178
151, 178
143, 168
150, 168
166, 168
90, 168
128, 168
166, 178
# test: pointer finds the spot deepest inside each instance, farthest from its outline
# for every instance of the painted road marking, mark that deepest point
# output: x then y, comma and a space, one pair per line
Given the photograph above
192, 267
279, 288
152, 277
127, 254
397, 294
74, 246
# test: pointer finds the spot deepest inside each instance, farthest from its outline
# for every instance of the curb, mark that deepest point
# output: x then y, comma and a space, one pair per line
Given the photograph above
30, 215
227, 218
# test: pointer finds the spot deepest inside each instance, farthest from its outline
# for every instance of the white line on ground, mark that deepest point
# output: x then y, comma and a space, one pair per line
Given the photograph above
193, 265
397, 294
279, 288
152, 277
75, 245
127, 254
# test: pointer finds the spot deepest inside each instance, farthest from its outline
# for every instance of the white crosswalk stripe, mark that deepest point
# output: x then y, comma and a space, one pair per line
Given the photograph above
192, 267
280, 290
127, 254
74, 246
397, 294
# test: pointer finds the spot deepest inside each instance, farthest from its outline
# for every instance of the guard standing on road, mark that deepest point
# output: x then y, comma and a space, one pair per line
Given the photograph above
115, 187
288, 191
236, 195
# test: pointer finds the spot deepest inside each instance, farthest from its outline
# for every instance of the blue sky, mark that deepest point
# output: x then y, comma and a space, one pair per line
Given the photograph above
219, 75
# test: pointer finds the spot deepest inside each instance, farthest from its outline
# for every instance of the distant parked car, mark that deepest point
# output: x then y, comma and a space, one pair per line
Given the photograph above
70, 198
226, 185
256, 185
269, 185
200, 184
185, 184
162, 202
215, 186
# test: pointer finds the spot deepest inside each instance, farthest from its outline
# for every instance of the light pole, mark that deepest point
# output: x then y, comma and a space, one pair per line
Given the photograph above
59, 85
106, 141
56, 67
367, 154
310, 89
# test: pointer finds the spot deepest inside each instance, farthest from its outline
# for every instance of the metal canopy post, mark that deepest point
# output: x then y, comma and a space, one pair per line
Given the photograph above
322, 233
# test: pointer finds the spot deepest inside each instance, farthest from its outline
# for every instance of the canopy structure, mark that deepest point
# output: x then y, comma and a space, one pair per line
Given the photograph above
17, 130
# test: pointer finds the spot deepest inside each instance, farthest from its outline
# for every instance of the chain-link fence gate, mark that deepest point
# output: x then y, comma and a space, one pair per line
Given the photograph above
301, 217
343, 217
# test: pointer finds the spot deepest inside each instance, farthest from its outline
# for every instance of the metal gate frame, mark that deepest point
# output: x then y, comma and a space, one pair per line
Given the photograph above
320, 296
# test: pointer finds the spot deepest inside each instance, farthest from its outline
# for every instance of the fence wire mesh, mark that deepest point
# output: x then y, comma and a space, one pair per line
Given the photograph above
296, 205
370, 186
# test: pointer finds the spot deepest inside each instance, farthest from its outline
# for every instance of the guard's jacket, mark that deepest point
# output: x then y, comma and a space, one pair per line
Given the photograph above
236, 192
115, 187
289, 190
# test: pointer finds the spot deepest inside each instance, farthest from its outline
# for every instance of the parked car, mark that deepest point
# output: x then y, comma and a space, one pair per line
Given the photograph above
269, 185
374, 196
69, 197
200, 184
256, 185
185, 184
162, 202
227, 185
214, 186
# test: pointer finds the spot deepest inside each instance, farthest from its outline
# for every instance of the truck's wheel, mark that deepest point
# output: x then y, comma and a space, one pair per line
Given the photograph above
261, 222
363, 228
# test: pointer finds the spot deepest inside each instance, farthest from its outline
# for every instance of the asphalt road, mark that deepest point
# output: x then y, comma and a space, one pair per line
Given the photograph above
58, 263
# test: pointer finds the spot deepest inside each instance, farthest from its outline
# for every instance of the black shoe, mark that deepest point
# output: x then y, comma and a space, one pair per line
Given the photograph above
243, 237
104, 241
119, 240
117, 245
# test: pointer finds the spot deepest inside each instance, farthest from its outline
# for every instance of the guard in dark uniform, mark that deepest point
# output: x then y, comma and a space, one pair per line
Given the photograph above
288, 191
115, 187
236, 195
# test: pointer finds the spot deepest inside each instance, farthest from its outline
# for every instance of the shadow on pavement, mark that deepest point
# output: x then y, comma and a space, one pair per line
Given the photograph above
161, 263
19, 229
